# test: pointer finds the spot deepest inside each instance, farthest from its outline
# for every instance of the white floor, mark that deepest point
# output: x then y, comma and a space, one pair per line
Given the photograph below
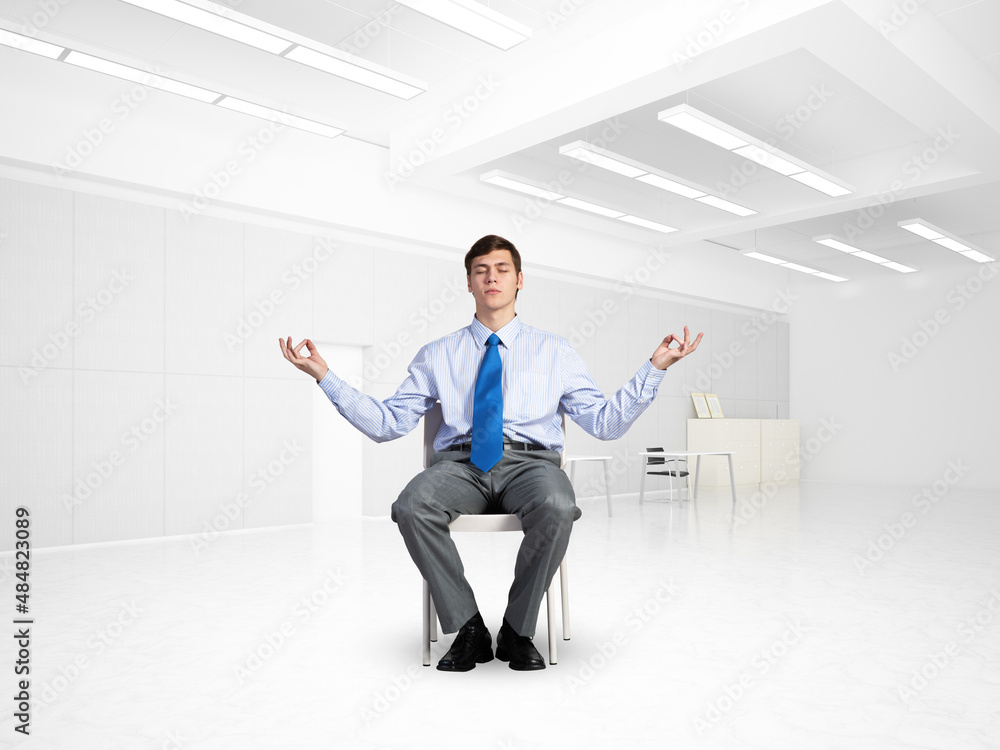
688, 631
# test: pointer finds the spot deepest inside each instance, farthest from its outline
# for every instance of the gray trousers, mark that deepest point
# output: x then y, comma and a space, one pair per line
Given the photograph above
530, 485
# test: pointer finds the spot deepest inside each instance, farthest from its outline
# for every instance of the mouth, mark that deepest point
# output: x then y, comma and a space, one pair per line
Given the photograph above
493, 291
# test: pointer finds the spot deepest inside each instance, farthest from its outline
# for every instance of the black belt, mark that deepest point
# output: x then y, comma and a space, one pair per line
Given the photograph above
507, 444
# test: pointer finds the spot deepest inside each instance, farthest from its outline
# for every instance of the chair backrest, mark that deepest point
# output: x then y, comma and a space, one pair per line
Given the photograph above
654, 460
432, 423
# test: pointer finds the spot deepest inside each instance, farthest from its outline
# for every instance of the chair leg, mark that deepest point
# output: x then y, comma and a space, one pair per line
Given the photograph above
670, 480
427, 625
607, 483
434, 622
564, 592
550, 612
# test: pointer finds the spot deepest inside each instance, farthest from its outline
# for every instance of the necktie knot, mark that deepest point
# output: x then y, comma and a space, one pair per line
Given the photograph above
493, 340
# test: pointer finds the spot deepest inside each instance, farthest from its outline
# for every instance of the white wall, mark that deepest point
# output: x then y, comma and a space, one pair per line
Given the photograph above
896, 415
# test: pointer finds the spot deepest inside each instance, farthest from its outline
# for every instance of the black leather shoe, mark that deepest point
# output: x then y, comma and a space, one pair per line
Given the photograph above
518, 650
473, 645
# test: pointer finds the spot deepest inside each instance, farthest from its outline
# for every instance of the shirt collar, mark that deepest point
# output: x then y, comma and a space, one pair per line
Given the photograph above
507, 334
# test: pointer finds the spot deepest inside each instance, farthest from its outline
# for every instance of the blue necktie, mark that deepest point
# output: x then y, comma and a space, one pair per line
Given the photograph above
487, 409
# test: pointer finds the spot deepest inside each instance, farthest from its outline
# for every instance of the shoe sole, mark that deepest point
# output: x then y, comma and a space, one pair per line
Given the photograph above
481, 659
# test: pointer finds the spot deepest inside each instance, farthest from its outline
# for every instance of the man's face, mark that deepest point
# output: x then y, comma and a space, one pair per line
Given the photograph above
493, 281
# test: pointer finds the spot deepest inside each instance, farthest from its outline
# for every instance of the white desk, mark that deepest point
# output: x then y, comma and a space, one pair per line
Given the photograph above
697, 466
571, 461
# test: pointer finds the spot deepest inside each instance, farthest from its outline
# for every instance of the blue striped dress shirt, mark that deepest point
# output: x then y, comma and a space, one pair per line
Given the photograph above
542, 375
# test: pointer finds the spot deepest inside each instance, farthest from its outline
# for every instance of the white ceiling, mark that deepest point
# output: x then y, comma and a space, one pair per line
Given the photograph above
886, 83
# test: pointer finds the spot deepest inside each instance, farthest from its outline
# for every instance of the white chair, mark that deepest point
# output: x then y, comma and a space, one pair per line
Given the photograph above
488, 522
664, 463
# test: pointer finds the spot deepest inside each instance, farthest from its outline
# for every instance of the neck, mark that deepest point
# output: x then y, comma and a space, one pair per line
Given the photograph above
495, 319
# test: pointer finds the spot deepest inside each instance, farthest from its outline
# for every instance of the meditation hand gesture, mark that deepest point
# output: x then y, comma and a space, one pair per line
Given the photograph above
313, 364
664, 356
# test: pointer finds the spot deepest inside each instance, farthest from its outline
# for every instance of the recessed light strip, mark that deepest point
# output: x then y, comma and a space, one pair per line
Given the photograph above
474, 19
240, 27
524, 185
830, 240
601, 157
696, 122
793, 266
937, 235
163, 83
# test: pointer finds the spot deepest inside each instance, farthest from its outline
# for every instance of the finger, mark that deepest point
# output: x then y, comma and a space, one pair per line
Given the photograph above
687, 336
299, 347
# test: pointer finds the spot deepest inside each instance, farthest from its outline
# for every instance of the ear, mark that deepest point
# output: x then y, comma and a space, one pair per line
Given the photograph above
520, 279
468, 280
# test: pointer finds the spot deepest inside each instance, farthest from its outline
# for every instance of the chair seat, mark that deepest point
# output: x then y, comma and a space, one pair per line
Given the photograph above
670, 473
486, 522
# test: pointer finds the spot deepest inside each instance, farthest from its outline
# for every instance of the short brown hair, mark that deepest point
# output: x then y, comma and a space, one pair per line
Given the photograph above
487, 245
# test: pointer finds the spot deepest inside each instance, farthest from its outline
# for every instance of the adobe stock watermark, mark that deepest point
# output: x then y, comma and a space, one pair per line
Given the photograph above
86, 312
808, 450
97, 643
751, 331
92, 138
219, 180
957, 298
382, 700
901, 14
454, 117
937, 661
361, 39
258, 481
274, 640
103, 469
711, 31
606, 650
914, 168
760, 665
928, 497
566, 9
292, 279
535, 206
787, 125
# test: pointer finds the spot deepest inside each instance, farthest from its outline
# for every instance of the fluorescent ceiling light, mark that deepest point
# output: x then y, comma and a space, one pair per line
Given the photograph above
240, 27
765, 258
919, 228
600, 157
837, 244
946, 239
978, 256
28, 44
671, 186
703, 126
648, 224
268, 113
696, 122
870, 256
355, 72
143, 77
475, 19
582, 151
733, 208
793, 266
769, 160
212, 17
592, 207
504, 180
829, 276
948, 242
831, 241
822, 184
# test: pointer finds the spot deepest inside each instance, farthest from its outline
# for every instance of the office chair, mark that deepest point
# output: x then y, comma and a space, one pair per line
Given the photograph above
669, 473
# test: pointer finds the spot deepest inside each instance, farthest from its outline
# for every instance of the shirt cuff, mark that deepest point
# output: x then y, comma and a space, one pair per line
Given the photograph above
651, 374
330, 384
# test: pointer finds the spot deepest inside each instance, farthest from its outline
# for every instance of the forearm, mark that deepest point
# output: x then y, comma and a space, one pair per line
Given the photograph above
610, 419
379, 420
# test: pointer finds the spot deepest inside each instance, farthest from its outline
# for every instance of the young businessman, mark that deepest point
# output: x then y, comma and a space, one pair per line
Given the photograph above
502, 385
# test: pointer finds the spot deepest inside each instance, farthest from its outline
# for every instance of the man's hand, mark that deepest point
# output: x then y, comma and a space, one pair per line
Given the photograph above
313, 364
664, 356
